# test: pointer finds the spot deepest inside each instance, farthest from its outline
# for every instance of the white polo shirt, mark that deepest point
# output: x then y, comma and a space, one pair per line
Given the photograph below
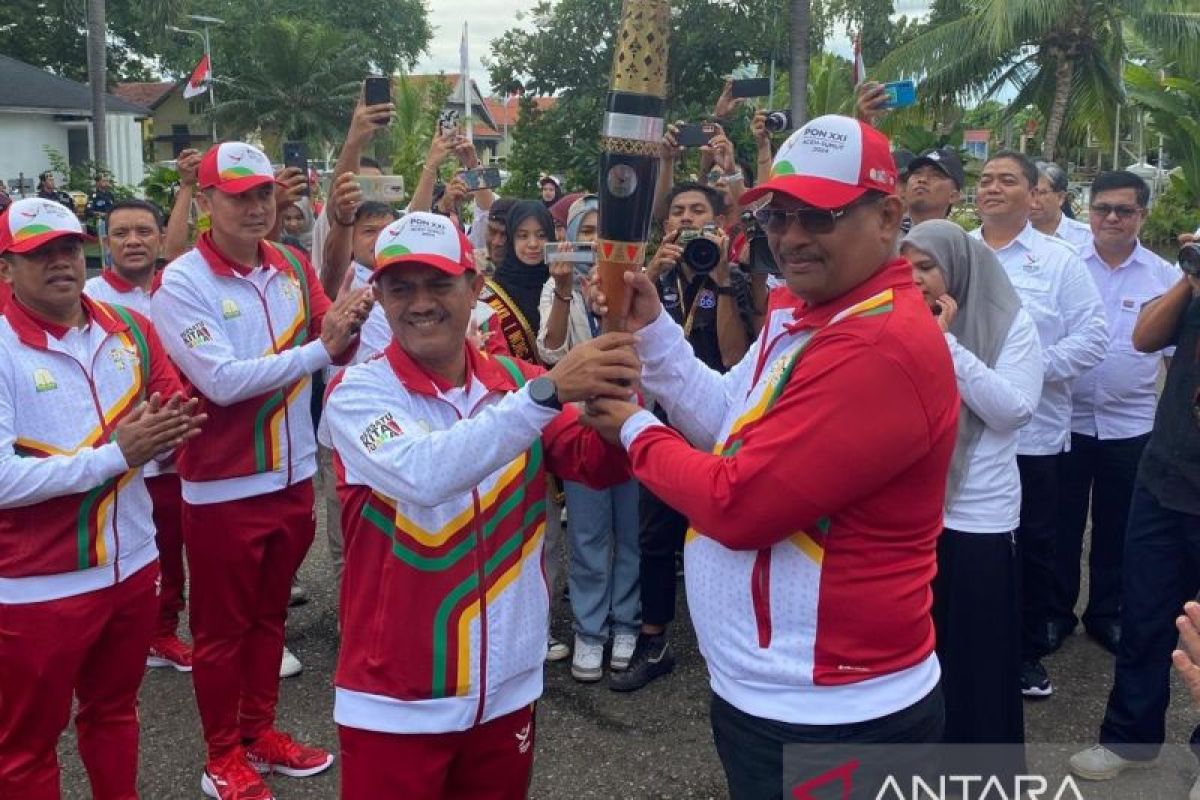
1116, 398
1075, 233
1058, 294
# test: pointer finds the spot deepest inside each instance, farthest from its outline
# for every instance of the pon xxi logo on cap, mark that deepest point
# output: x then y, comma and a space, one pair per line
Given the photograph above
41, 216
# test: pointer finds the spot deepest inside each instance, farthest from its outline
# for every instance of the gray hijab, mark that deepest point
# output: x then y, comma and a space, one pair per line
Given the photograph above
987, 306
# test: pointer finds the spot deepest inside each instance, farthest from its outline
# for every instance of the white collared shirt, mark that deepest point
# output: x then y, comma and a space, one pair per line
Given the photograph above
1055, 290
1075, 233
1116, 398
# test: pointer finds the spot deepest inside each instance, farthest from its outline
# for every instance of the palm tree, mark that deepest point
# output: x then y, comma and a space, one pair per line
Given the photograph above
1061, 55
302, 84
1174, 104
801, 21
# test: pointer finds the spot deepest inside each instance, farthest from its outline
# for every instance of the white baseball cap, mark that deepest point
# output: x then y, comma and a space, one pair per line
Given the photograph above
423, 238
829, 163
235, 167
30, 223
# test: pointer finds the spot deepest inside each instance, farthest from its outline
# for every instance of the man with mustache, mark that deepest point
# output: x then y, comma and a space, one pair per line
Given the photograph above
813, 474
135, 240
87, 396
247, 322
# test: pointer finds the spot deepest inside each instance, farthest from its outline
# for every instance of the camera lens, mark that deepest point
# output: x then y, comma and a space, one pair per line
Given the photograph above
1189, 259
702, 254
779, 121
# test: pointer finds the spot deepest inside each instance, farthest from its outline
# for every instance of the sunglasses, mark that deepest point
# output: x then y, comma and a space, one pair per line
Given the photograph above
813, 220
1122, 212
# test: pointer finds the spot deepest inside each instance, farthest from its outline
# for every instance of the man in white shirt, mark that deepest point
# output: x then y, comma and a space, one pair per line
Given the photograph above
1055, 289
1049, 200
1113, 410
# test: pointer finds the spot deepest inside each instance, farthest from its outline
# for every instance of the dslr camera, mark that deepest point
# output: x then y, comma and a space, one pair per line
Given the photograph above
1189, 259
779, 121
701, 249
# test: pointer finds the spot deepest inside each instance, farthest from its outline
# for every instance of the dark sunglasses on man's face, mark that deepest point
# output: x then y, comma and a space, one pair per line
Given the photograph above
814, 220
1122, 212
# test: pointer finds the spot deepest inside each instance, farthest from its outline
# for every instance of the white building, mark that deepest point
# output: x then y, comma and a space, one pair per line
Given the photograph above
39, 109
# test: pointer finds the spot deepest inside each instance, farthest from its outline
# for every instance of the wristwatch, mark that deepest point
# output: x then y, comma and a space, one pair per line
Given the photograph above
543, 392
726, 291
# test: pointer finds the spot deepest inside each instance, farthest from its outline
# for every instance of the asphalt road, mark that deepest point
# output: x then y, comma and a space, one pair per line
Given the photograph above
592, 742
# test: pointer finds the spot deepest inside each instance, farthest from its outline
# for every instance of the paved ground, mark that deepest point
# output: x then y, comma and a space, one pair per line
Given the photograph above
592, 743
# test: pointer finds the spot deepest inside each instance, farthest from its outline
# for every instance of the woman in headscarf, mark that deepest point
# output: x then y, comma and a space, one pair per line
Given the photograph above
297, 224
998, 364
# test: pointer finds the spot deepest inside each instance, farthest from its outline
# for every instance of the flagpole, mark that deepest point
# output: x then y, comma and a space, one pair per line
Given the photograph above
212, 97
469, 125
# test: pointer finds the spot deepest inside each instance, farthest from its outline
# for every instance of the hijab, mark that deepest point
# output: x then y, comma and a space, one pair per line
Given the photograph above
558, 192
987, 306
305, 237
523, 282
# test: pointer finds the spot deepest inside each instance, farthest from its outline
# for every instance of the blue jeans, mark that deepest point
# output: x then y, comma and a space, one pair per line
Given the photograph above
602, 527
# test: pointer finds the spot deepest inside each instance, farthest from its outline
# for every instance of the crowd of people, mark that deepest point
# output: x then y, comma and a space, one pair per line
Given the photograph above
876, 439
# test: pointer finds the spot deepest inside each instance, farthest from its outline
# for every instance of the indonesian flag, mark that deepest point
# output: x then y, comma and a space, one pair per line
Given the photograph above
198, 83
860, 69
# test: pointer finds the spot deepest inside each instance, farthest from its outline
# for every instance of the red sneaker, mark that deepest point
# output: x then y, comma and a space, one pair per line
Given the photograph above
277, 752
232, 778
169, 651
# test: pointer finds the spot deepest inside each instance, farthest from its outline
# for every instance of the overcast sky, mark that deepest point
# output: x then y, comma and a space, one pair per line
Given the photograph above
490, 18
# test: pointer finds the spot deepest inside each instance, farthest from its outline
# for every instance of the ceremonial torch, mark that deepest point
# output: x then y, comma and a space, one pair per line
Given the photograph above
629, 144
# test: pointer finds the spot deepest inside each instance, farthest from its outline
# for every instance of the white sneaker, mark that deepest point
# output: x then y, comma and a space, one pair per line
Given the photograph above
290, 666
556, 650
1098, 763
588, 664
622, 652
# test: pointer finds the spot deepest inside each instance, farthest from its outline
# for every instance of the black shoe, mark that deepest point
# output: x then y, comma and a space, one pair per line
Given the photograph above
652, 658
1108, 635
1034, 680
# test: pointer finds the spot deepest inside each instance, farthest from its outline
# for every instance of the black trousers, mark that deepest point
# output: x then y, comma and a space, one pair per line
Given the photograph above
1098, 475
977, 614
1162, 572
1036, 539
752, 749
662, 533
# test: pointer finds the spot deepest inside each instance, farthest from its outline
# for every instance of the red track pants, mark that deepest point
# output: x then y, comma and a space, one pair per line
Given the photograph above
241, 558
91, 646
168, 535
488, 762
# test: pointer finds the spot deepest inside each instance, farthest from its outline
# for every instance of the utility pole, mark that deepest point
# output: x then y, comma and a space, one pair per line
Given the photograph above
800, 19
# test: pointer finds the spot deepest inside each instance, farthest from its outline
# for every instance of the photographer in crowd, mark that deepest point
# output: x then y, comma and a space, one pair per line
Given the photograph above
933, 182
710, 299
1112, 411
1161, 568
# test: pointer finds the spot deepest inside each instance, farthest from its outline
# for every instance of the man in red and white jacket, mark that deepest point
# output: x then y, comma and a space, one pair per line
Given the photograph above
135, 242
247, 323
441, 452
82, 389
813, 474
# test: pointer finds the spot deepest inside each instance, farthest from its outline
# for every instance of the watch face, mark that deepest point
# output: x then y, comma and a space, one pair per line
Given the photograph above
622, 180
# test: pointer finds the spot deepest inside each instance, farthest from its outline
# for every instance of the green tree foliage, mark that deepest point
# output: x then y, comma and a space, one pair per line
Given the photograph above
1060, 54
1174, 104
300, 82
417, 108
390, 34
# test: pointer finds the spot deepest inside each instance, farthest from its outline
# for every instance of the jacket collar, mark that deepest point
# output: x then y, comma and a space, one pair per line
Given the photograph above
222, 264
119, 284
35, 331
894, 274
418, 380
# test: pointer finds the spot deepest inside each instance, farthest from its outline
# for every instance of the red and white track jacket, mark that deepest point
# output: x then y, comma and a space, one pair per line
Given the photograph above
817, 502
73, 516
443, 491
248, 342
109, 287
